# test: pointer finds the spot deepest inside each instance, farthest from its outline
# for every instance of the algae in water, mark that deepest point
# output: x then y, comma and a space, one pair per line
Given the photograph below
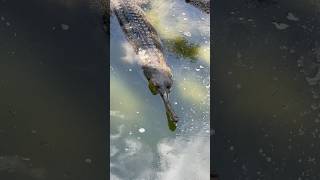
182, 48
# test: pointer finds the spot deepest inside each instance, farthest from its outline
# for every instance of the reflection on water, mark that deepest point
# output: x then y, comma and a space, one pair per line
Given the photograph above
142, 146
267, 89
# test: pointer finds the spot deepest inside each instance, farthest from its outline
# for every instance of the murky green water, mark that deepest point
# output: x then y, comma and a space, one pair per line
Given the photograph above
266, 106
52, 91
142, 146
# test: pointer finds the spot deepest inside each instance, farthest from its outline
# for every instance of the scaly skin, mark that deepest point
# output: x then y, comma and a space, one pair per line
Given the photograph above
140, 34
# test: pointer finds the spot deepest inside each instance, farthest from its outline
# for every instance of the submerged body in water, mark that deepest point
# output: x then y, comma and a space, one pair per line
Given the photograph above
147, 45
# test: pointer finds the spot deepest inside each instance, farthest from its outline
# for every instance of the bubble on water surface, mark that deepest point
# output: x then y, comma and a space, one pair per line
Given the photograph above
188, 34
142, 130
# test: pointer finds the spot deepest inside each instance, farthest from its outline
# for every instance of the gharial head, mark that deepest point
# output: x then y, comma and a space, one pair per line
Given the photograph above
160, 80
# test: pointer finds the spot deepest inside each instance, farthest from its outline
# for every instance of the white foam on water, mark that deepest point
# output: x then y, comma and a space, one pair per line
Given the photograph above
188, 160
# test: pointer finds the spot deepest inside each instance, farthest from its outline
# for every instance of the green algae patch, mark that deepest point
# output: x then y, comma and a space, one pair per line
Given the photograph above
182, 48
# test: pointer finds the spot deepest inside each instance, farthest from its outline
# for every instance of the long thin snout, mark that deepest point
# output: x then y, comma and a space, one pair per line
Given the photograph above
171, 116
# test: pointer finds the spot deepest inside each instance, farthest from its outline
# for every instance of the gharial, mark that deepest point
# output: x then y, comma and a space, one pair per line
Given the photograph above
147, 45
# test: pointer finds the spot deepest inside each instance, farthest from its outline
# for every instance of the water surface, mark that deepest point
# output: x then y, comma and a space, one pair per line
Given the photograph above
142, 146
